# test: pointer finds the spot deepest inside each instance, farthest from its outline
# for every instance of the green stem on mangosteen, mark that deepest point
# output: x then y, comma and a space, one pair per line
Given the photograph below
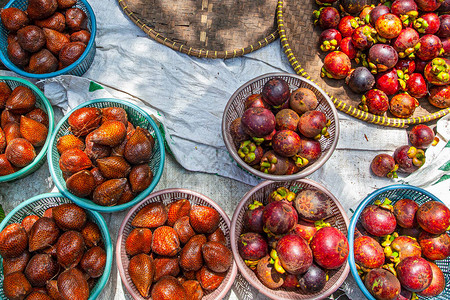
390, 268
414, 296
386, 204
419, 158
282, 193
276, 262
254, 205
321, 224
388, 239
300, 161
251, 263
420, 25
258, 141
393, 172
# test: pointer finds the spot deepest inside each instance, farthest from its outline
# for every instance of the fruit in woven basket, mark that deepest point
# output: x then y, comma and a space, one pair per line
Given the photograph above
13, 241
305, 229
82, 36
191, 258
383, 165
336, 65
73, 285
41, 9
17, 54
31, 38
165, 241
258, 122
138, 241
67, 142
310, 150
20, 152
217, 236
313, 280
84, 120
140, 178
416, 85
252, 247
113, 167
70, 52
11, 131
14, 19
401, 248
55, 40
38, 115
93, 262
96, 151
139, 147
329, 247
437, 285
266, 273
409, 159
378, 219
314, 124
152, 215
237, 132
255, 100
168, 287
382, 284
433, 217
403, 105
16, 264
272, 163
405, 213
329, 39
312, 205
414, 273
279, 217
327, 17
368, 253
253, 220
294, 254
69, 216
440, 96
74, 160
62, 4
184, 229
81, 184
360, 80
217, 256
57, 22
91, 234
193, 289
204, 219
286, 143
430, 47
5, 166
21, 101
109, 192
286, 119
8, 117
110, 133
38, 295
177, 210
40, 269
33, 131
44, 233
141, 270
434, 246
16, 286
5, 92
276, 92
76, 19
70, 249
303, 100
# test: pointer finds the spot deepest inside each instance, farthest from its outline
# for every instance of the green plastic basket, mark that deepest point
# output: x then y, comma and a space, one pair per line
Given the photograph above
137, 117
43, 103
37, 206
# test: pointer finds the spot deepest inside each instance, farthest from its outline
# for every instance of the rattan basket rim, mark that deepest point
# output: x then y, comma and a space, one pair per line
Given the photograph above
243, 269
341, 105
301, 174
193, 51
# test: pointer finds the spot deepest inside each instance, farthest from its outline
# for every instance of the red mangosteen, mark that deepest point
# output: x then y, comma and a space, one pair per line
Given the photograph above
327, 17
279, 217
336, 65
437, 71
237, 132
444, 27
427, 24
348, 48
276, 91
406, 10
286, 119
313, 280
250, 152
428, 5
434, 217
329, 247
437, 285
401, 248
403, 105
388, 26
353, 7
294, 254
255, 100
406, 43
382, 284
388, 82
375, 102
421, 136
440, 96
303, 100
272, 163
378, 219
258, 122
377, 12
405, 212
368, 253
286, 143
360, 80
310, 150
312, 205
430, 47
252, 246
435, 246
347, 25
416, 85
414, 273
253, 221
329, 39
383, 165
364, 37
408, 158
314, 124
382, 58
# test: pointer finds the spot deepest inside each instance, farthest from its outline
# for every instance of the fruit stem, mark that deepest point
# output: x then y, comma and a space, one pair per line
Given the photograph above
255, 205
321, 224
393, 172
251, 263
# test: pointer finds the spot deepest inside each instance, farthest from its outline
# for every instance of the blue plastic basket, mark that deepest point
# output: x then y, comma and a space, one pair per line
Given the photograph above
78, 68
394, 193
137, 117
37, 206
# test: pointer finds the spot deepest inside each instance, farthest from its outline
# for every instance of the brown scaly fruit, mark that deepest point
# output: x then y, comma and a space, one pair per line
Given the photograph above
16, 264
69, 216
5, 92
193, 289
55, 40
204, 219
33, 131
52, 290
217, 256
70, 52
217, 236
82, 36
178, 209
84, 120
16, 53
114, 114
110, 133
139, 241
98, 177
93, 262
20, 152
13, 241
8, 117
57, 22
109, 192
16, 286
41, 9
40, 269
208, 279
44, 233
139, 147
127, 195
140, 178
76, 19
38, 115
14, 19
5, 166
81, 184
70, 249
113, 167
28, 222
74, 160
152, 215
184, 229
141, 270
166, 266
42, 62
12, 131
38, 295
191, 258
91, 234
73, 285
96, 151
21, 101
168, 287
31, 38
2, 141
165, 241
63, 4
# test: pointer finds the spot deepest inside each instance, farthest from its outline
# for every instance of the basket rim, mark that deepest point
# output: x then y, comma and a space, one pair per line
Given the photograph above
355, 218
51, 126
7, 62
192, 51
301, 174
86, 203
120, 237
341, 105
243, 269
103, 228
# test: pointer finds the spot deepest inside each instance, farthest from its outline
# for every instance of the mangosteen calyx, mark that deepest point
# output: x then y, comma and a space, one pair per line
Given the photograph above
388, 239
247, 151
282, 193
386, 204
390, 268
321, 224
268, 164
254, 205
393, 172
251, 263
275, 260
300, 161
417, 155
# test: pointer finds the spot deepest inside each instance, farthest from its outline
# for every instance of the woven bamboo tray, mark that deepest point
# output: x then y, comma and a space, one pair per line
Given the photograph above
206, 28
299, 38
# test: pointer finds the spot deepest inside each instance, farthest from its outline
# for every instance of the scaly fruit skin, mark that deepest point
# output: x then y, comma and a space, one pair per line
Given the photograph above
110, 133
21, 101
168, 287
109, 192
184, 229
141, 270
91, 234
16, 264
69, 216
84, 120
382, 284
74, 160
57, 22
40, 269
337, 65
405, 213
329, 247
437, 285
14, 19
114, 167
93, 262
368, 253
5, 166
139, 241
414, 273
13, 241
44, 233
177, 210
165, 241
435, 246
67, 142
378, 221
403, 105
193, 289
266, 273
191, 258
81, 184
151, 216
204, 219
294, 254
217, 236
16, 286
440, 96
73, 285
20, 152
375, 102
70, 249
433, 217
217, 256
166, 266
208, 279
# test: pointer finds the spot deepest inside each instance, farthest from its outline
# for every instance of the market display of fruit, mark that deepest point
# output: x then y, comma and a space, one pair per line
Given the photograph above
395, 51
397, 246
176, 251
48, 36
60, 255
105, 157
24, 128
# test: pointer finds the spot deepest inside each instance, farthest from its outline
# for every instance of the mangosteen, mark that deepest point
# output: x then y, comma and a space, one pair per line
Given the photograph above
360, 80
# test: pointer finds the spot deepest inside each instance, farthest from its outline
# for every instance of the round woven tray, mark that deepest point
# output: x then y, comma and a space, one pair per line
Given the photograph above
299, 38
207, 28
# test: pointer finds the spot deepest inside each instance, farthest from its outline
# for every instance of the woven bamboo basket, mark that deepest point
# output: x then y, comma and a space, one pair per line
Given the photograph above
299, 39
207, 28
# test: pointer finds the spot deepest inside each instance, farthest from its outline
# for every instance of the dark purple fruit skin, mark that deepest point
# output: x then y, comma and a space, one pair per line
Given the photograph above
279, 217
353, 7
377, 12
329, 247
405, 213
421, 136
401, 7
286, 143
382, 165
407, 38
383, 56
416, 85
430, 45
388, 82
434, 246
252, 246
312, 205
428, 5
309, 149
276, 91
280, 167
444, 28
411, 232
253, 220
237, 132
414, 273
368, 252
378, 221
255, 100
311, 123
329, 18
376, 101
446, 45
286, 119
330, 35
433, 217
294, 254
382, 284
445, 7
437, 285
360, 80
420, 65
405, 163
313, 280
360, 39
258, 122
